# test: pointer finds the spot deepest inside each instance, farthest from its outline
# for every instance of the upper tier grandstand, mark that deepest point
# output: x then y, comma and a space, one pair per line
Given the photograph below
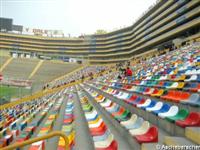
157, 105
38, 72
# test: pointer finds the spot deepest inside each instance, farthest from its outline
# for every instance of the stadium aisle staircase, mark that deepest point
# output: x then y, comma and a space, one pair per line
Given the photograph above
35, 69
4, 64
102, 137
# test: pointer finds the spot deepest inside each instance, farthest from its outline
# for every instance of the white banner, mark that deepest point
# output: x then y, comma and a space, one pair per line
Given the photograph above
41, 32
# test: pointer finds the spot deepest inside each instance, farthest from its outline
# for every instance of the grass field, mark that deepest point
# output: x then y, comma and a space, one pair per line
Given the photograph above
9, 92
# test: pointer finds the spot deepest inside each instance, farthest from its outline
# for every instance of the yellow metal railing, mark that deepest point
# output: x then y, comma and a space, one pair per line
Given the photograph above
36, 139
45, 92
36, 95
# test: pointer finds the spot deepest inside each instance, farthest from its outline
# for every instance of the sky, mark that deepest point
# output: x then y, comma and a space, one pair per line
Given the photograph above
74, 17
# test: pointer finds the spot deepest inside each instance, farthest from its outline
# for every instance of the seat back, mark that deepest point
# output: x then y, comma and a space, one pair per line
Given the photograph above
142, 101
165, 107
138, 122
185, 95
181, 84
155, 91
161, 91
171, 93
148, 101
194, 97
153, 131
145, 125
160, 83
159, 105
153, 103
175, 93
194, 116
147, 89
133, 97
173, 109
183, 113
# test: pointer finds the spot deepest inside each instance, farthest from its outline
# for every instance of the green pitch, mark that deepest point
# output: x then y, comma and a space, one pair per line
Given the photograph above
9, 92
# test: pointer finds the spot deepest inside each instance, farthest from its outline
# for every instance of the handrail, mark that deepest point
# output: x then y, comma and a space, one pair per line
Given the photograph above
36, 139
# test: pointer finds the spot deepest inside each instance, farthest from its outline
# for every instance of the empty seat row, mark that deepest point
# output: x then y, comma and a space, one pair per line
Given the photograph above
101, 135
172, 95
48, 125
68, 126
170, 112
137, 127
21, 129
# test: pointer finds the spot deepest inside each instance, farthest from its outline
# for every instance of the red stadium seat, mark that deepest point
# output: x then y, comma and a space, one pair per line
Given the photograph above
121, 110
38, 146
132, 98
112, 146
160, 84
127, 87
176, 95
140, 102
193, 119
151, 136
99, 130
67, 121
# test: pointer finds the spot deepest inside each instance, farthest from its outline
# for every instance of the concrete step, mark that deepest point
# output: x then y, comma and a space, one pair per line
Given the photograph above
148, 146
82, 133
176, 141
193, 133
